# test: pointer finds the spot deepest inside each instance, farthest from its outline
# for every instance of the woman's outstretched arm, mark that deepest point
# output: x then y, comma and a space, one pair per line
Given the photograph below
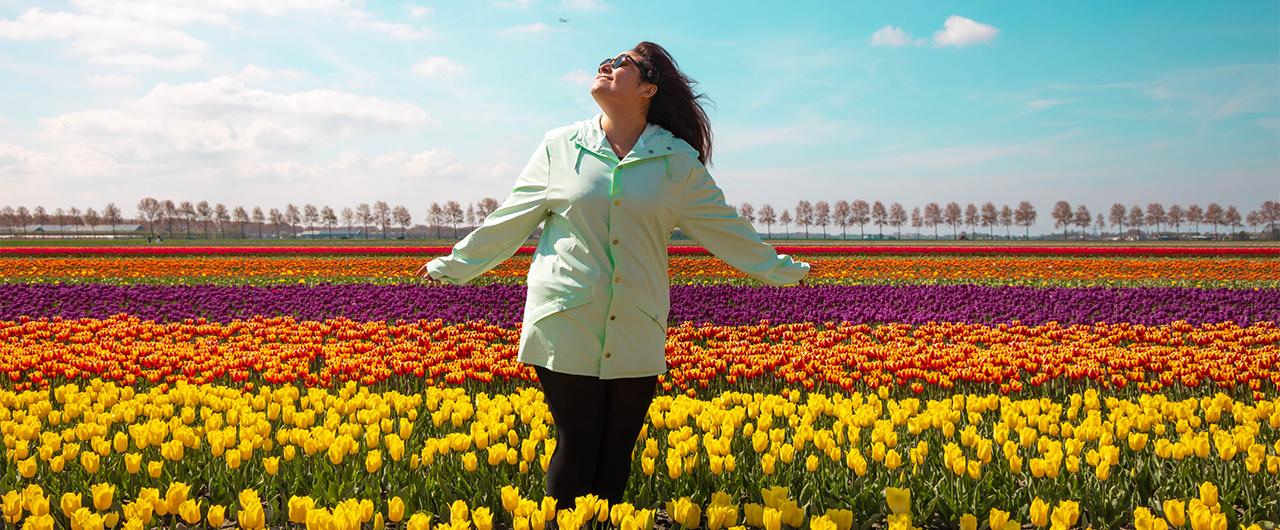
717, 227
503, 231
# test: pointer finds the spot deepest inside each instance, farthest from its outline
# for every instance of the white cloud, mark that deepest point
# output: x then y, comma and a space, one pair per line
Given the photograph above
585, 5
1047, 103
252, 72
579, 77
961, 32
435, 66
398, 31
1265, 123
527, 29
894, 36
112, 80
293, 74
419, 11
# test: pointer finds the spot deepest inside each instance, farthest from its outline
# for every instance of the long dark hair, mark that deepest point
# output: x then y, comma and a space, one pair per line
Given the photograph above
675, 107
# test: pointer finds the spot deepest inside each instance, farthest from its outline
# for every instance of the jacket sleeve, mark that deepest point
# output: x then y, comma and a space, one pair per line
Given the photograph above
504, 230
715, 225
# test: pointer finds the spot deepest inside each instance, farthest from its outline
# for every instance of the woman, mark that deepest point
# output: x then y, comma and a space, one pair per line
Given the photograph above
608, 192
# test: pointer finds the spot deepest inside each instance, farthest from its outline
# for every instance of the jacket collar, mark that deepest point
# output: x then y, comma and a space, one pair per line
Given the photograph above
654, 141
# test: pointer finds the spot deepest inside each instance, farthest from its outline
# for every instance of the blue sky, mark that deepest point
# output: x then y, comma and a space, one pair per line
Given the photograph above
269, 102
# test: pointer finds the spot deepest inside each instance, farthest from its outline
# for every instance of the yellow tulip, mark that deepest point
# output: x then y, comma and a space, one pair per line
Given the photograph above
41, 522
469, 461
968, 521
175, 496
766, 464
154, 469
110, 519
1176, 512
378, 522
217, 513
815, 523
899, 500
754, 514
299, 507
772, 519
548, 509
1209, 495
102, 494
190, 511
419, 521
37, 503
1200, 518
811, 463
132, 462
27, 468
395, 509
251, 517
272, 464
1218, 521
90, 462
12, 506
842, 518
373, 461
1065, 515
482, 518
1039, 512
458, 511
998, 520
91, 521
645, 519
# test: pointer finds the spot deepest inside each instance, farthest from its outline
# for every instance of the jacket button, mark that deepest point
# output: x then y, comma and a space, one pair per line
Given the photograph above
617, 280
613, 317
668, 148
651, 151
608, 355
615, 241
615, 203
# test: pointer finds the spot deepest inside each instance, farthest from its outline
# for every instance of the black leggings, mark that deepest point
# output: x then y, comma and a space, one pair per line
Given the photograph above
597, 422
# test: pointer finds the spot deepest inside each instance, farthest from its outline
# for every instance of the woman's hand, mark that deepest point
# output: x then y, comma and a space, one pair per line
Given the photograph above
422, 273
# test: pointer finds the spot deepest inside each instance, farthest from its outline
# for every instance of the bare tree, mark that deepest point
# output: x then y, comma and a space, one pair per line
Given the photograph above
9, 216
1270, 212
204, 213
222, 216
453, 211
402, 218
111, 214
187, 212
312, 215
1119, 216
1083, 220
259, 219
1101, 224
92, 219
748, 212
1176, 216
971, 217
1231, 218
149, 211
840, 214
917, 220
241, 216
364, 216
767, 217
276, 219
1006, 219
1136, 218
897, 217
486, 207
933, 217
1195, 215
804, 216
328, 218
879, 216
1062, 217
74, 217
990, 217
1155, 216
60, 216
953, 217
786, 222
294, 216
1213, 216
348, 217
40, 216
1025, 216
822, 216
169, 213
437, 217
382, 216
471, 214
860, 214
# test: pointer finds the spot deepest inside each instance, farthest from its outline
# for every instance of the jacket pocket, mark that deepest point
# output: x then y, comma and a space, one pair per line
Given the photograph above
556, 305
649, 309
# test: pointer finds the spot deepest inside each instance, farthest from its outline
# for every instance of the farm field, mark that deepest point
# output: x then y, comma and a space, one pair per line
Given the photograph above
971, 387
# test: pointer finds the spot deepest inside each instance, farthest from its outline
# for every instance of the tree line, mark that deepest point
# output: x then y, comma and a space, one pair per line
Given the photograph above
845, 214
163, 215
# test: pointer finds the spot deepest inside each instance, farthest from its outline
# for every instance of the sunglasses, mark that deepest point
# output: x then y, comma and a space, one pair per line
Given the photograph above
618, 61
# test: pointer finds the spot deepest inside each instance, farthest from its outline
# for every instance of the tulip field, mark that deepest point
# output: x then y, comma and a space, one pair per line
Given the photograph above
973, 388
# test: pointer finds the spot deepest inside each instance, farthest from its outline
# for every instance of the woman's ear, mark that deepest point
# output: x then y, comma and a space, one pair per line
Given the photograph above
650, 91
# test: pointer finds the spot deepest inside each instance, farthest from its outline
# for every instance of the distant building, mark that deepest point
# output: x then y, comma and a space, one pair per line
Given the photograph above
331, 234
48, 230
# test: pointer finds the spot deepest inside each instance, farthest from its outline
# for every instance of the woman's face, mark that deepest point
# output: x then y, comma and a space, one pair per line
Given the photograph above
622, 85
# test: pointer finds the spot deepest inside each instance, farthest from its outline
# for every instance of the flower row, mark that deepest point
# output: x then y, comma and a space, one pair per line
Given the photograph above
907, 250
840, 357
439, 447
718, 304
911, 269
